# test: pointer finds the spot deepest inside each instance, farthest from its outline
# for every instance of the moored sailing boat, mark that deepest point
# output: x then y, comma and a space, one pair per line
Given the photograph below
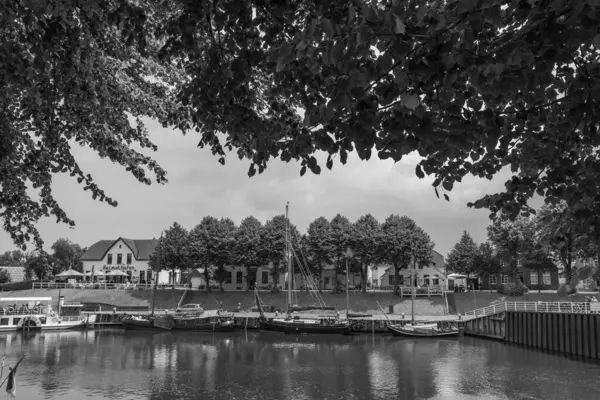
150, 322
419, 330
207, 321
296, 324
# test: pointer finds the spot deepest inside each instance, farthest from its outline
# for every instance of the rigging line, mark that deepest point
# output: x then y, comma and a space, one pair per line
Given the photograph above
308, 279
305, 260
318, 296
187, 266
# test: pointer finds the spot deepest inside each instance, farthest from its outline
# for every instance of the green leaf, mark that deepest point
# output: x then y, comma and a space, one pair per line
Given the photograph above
446, 197
328, 27
303, 170
399, 27
411, 102
351, 13
596, 41
401, 79
419, 172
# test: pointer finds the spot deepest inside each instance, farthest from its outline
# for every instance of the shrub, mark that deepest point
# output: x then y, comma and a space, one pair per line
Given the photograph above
24, 285
512, 289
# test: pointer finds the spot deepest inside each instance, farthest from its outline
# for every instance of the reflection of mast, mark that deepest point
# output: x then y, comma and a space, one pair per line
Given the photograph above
414, 292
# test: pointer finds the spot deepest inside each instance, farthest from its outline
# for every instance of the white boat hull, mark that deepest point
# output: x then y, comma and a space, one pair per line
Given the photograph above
12, 323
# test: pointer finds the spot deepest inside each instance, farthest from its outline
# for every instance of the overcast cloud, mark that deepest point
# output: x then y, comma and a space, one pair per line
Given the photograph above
199, 185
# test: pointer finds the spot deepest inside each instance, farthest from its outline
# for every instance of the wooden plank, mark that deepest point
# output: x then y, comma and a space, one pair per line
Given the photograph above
561, 332
585, 335
529, 317
538, 330
544, 330
555, 333
592, 333
568, 335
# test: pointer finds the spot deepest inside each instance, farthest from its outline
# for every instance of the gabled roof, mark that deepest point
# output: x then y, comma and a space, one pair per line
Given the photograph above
140, 248
17, 273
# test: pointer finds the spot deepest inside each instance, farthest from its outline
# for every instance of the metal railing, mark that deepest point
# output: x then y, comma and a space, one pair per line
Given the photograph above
566, 307
105, 286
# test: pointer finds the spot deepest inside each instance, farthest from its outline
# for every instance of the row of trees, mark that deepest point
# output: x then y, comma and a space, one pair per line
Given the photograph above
541, 242
41, 264
217, 243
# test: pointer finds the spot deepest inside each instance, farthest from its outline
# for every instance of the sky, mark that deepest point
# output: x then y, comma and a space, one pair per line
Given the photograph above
199, 186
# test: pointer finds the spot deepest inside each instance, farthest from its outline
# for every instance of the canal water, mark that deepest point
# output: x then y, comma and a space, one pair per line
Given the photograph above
116, 364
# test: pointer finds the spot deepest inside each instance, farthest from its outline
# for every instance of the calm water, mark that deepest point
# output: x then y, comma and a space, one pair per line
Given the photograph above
138, 365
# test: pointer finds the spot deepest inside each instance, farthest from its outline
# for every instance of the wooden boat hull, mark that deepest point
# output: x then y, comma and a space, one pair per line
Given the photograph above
151, 324
202, 325
399, 331
296, 327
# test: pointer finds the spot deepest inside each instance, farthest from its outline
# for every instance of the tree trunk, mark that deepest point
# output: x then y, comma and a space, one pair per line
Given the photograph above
207, 279
335, 275
173, 274
248, 278
396, 278
221, 278
363, 278
321, 278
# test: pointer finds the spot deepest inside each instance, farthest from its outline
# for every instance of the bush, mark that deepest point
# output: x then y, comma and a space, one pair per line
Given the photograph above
512, 289
25, 285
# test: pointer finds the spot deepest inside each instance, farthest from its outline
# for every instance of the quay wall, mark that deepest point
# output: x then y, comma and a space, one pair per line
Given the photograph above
569, 334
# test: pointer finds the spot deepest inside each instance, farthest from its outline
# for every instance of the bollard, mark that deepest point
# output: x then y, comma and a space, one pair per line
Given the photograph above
402, 315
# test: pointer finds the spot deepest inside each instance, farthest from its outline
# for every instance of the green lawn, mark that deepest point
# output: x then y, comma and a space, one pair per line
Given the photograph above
359, 302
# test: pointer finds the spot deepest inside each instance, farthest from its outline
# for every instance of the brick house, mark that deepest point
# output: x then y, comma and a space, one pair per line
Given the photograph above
533, 279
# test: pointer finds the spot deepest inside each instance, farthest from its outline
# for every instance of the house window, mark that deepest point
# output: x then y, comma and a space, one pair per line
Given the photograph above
265, 277
119, 258
227, 277
239, 276
504, 279
326, 281
436, 280
128, 258
533, 277
420, 266
493, 280
109, 259
390, 279
142, 276
426, 279
547, 278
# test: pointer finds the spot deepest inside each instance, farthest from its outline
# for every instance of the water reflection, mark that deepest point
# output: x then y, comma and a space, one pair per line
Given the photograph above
141, 365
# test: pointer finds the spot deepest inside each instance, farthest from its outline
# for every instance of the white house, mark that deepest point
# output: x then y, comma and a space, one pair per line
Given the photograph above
235, 278
130, 256
382, 276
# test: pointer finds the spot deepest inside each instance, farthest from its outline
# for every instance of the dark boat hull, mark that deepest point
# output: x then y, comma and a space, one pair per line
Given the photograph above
398, 331
201, 325
157, 324
297, 328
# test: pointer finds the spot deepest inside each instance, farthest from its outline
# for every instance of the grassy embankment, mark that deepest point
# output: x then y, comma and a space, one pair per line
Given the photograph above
359, 302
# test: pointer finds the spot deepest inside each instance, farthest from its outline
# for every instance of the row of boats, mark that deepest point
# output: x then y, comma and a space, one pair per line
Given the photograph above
222, 321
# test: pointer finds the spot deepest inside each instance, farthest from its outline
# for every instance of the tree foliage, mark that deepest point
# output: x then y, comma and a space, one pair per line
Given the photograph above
514, 242
13, 258
462, 257
39, 266
66, 255
173, 248
485, 261
559, 235
364, 243
341, 231
273, 245
320, 246
76, 73
401, 240
4, 276
247, 245
472, 85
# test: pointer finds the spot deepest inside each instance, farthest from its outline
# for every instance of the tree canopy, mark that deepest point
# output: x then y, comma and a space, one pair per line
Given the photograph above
471, 85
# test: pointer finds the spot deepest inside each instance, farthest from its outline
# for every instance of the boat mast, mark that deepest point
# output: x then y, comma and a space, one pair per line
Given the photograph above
414, 292
157, 271
288, 258
347, 289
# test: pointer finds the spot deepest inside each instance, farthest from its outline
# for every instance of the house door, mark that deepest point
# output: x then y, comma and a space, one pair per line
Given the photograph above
142, 276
